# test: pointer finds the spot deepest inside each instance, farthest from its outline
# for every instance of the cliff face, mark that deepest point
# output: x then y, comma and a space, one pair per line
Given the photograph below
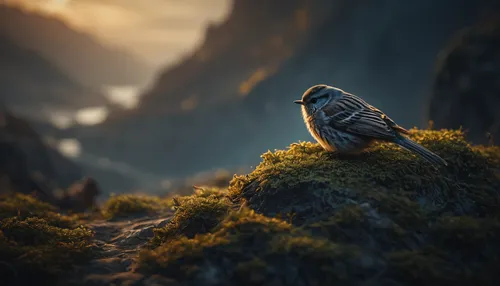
249, 47
234, 95
78, 54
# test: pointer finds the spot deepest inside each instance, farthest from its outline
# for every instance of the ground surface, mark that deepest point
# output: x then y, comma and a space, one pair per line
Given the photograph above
302, 217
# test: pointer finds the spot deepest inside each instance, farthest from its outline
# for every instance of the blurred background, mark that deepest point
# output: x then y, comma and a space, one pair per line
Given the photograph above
154, 95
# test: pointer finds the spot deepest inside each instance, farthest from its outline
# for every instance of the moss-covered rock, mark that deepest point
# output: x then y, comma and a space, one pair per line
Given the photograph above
37, 244
251, 249
314, 184
195, 214
25, 206
308, 217
130, 205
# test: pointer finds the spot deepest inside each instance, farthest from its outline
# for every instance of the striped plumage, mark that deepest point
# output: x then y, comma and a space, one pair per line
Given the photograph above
344, 123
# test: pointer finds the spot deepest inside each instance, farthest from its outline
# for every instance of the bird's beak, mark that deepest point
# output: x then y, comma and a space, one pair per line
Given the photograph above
299, 102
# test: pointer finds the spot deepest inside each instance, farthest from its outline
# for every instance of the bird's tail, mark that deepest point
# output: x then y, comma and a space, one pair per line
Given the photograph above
420, 150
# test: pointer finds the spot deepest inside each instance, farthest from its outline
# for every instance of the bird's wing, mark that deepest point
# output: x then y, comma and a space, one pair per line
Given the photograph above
389, 121
354, 115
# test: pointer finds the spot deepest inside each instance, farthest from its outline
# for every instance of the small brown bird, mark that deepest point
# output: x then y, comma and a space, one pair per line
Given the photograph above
344, 123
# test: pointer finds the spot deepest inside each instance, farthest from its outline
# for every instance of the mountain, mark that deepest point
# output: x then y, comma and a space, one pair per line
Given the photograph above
249, 47
27, 162
76, 53
234, 95
31, 85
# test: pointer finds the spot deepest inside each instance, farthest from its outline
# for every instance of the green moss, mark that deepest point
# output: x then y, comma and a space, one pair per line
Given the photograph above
25, 206
250, 248
477, 238
422, 267
315, 183
362, 226
491, 153
37, 243
384, 217
194, 214
122, 206
36, 251
210, 192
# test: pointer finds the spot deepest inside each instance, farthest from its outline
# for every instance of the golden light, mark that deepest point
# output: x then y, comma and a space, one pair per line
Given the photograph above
124, 96
55, 5
70, 148
91, 115
159, 31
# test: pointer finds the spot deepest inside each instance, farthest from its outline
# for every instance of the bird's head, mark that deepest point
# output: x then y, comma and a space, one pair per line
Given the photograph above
317, 96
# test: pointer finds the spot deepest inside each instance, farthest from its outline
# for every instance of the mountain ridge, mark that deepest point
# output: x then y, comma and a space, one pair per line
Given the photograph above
74, 51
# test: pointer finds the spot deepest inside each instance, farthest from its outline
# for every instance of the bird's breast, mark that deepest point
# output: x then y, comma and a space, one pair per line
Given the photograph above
316, 126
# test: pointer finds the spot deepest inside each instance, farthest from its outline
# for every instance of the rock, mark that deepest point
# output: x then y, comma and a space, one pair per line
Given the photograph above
123, 278
106, 266
128, 263
466, 91
81, 196
164, 222
308, 217
135, 238
158, 280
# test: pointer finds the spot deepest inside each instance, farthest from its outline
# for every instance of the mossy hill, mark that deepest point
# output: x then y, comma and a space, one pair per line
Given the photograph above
308, 217
302, 217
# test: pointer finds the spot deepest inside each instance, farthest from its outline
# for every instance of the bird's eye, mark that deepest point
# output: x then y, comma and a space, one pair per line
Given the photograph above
314, 100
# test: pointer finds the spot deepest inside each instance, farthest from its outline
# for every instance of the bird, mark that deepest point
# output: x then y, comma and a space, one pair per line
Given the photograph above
343, 123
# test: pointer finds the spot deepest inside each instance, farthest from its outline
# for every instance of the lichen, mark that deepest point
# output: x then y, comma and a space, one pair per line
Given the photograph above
130, 205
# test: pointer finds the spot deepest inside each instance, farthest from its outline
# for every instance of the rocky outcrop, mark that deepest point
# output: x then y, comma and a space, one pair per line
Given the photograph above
466, 90
307, 217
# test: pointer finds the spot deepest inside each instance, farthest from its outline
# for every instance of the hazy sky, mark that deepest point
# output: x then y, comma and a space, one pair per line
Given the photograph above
159, 30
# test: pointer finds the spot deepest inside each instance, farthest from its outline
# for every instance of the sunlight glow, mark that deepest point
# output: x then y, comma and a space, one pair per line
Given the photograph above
61, 120
124, 96
258, 76
159, 31
70, 148
91, 115
55, 5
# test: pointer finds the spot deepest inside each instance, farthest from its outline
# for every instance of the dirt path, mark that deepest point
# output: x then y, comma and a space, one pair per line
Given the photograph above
120, 241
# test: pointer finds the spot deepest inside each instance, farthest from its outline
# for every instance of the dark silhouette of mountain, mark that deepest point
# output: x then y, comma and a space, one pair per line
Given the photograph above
234, 95
250, 46
30, 84
466, 90
78, 54
27, 162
